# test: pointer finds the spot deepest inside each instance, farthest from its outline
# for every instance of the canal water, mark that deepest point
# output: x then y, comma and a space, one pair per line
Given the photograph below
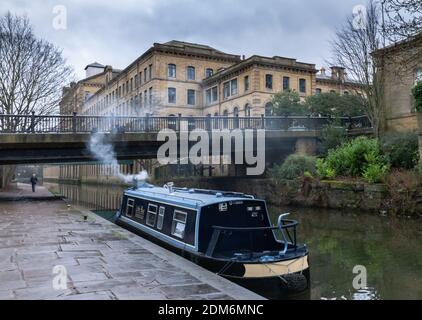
390, 249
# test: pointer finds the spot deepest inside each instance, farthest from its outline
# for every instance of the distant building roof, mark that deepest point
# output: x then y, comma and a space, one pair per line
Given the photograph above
275, 61
94, 65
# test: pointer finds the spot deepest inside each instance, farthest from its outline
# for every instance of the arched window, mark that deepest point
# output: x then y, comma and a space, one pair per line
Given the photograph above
209, 72
225, 121
216, 114
171, 70
247, 110
236, 112
268, 109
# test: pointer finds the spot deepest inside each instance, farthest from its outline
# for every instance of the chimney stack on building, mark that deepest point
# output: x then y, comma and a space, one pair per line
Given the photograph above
338, 73
93, 69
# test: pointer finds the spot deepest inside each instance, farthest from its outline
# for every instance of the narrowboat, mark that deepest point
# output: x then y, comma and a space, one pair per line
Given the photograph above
228, 233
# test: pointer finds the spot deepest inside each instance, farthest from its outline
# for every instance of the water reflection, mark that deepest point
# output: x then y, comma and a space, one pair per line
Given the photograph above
390, 249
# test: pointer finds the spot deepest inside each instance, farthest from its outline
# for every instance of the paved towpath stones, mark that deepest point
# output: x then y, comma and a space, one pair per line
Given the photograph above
102, 260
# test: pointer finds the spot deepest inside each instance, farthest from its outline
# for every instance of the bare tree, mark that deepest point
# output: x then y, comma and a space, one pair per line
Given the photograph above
402, 24
352, 49
32, 73
401, 18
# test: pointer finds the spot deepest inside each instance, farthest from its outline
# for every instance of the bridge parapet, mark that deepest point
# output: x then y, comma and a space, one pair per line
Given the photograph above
120, 124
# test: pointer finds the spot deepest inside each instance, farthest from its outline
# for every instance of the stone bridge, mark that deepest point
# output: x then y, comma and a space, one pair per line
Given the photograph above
55, 139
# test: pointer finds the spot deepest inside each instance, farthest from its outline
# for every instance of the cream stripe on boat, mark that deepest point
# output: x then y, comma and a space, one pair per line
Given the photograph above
276, 268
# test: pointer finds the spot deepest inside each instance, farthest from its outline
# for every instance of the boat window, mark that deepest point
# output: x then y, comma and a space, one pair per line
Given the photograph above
160, 220
179, 223
151, 214
129, 207
140, 212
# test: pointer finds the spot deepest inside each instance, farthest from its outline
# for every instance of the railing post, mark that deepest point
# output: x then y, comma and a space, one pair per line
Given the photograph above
179, 122
147, 122
262, 122
74, 122
32, 121
112, 122
208, 125
236, 121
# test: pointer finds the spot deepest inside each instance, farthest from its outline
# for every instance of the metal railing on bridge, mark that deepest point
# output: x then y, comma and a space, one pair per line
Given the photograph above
120, 124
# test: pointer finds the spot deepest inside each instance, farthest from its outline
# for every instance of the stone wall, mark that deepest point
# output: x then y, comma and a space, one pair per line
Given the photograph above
357, 196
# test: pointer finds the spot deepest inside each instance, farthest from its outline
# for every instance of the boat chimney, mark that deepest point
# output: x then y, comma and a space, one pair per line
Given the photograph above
170, 186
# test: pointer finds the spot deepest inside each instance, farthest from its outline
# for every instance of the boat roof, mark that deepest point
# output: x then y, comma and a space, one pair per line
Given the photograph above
185, 197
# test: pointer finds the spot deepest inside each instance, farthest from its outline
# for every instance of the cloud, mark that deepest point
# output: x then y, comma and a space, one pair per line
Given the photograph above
117, 32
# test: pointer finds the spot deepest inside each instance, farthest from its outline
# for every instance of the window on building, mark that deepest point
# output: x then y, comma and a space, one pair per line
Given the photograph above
160, 219
302, 85
150, 72
136, 80
246, 83
318, 90
286, 83
211, 95
129, 207
150, 96
145, 98
172, 95
151, 214
124, 88
140, 77
179, 223
190, 73
209, 72
269, 81
233, 87
214, 94
247, 110
236, 111
131, 84
226, 89
191, 97
208, 96
127, 86
171, 70
145, 75
140, 100
268, 109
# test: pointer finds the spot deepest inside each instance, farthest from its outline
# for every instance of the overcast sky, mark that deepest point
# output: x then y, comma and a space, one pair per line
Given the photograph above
117, 32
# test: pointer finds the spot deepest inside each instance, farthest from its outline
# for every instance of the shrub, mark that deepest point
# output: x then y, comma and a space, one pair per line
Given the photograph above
418, 169
331, 137
375, 172
360, 157
401, 149
417, 94
294, 167
323, 170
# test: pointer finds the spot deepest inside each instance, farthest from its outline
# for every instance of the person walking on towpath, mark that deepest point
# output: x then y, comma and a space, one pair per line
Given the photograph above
34, 181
